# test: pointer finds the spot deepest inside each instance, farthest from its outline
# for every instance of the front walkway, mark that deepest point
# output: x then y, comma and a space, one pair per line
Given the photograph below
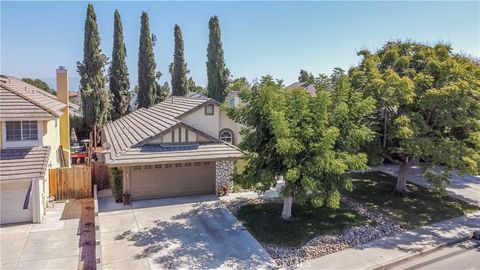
52, 244
397, 247
465, 187
195, 232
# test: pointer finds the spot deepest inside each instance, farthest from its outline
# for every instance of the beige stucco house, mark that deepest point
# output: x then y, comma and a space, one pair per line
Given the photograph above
34, 137
181, 146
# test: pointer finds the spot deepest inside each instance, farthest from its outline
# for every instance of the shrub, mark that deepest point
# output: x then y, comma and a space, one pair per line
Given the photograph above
115, 176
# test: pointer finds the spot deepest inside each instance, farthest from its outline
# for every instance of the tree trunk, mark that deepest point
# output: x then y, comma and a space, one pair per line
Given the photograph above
287, 208
401, 184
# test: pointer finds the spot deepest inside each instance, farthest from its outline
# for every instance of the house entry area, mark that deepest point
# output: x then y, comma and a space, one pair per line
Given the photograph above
171, 180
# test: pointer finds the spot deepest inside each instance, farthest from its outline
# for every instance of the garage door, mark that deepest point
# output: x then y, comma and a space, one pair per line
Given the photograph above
170, 180
12, 199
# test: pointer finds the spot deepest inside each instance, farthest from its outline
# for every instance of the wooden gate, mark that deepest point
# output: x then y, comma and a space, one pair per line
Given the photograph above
70, 183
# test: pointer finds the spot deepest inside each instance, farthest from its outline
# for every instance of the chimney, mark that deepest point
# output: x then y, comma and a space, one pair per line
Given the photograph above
62, 95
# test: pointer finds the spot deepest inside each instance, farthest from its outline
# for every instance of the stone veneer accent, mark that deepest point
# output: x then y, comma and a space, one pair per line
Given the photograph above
223, 173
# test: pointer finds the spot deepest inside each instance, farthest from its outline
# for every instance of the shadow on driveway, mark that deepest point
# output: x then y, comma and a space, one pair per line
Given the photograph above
195, 232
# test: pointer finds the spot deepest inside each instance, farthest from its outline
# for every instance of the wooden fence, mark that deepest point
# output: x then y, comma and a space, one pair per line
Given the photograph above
100, 175
71, 183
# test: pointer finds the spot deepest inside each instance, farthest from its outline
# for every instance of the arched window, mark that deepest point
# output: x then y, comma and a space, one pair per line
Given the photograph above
226, 135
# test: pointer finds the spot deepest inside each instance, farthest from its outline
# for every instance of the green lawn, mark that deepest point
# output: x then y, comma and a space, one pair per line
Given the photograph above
420, 207
265, 223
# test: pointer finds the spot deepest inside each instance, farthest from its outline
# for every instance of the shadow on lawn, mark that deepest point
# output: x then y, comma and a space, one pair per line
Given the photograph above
207, 236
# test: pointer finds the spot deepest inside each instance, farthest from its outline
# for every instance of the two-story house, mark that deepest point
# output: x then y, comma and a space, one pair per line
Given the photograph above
34, 128
181, 146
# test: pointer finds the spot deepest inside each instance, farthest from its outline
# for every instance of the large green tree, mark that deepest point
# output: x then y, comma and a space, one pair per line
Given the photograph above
95, 99
39, 84
428, 108
178, 69
147, 85
308, 141
217, 72
119, 82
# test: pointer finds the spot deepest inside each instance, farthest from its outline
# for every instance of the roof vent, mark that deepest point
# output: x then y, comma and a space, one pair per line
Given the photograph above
61, 67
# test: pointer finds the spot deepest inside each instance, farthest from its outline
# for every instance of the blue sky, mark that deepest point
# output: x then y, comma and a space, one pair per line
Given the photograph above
259, 38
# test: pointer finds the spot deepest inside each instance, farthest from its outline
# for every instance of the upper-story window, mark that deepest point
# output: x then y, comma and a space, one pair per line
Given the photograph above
21, 131
209, 110
226, 135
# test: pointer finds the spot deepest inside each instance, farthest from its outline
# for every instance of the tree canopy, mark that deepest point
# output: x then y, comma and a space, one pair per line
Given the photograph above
119, 82
308, 141
217, 72
178, 69
147, 75
305, 76
428, 108
95, 100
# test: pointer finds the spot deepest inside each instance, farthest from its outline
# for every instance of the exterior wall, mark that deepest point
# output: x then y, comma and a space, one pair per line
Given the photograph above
227, 123
209, 124
51, 137
223, 173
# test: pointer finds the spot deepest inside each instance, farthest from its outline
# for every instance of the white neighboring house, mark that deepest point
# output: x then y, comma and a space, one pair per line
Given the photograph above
181, 146
30, 128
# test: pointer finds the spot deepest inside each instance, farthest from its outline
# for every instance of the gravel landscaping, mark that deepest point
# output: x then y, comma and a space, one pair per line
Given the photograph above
328, 243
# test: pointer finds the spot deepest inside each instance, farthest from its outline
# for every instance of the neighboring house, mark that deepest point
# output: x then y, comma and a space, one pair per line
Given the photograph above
232, 99
181, 146
34, 134
310, 87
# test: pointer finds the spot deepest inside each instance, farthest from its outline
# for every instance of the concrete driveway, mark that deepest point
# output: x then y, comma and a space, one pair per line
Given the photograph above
52, 244
186, 232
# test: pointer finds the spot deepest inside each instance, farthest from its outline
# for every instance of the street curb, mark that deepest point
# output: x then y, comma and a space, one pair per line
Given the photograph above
400, 261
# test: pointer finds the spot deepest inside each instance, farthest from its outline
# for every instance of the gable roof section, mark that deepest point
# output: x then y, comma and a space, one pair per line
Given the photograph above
126, 136
24, 163
21, 100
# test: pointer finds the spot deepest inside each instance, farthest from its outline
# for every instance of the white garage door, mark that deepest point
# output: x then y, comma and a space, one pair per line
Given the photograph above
170, 180
12, 200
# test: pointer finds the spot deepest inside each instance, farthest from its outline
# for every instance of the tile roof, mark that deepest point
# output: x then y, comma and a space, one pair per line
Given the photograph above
162, 154
23, 163
21, 100
125, 135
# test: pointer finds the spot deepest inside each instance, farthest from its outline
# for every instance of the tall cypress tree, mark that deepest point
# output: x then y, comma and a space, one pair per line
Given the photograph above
178, 69
217, 72
95, 102
119, 82
147, 85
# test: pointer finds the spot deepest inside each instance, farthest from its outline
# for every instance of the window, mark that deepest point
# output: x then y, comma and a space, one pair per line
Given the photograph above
148, 167
21, 130
178, 165
188, 164
197, 164
226, 136
168, 165
158, 166
209, 110
137, 167
206, 163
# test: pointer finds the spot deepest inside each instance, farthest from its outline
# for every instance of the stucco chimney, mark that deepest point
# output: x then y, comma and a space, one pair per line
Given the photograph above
62, 95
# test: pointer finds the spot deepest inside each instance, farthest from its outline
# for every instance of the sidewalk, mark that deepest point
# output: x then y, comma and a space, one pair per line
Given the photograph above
400, 246
465, 187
